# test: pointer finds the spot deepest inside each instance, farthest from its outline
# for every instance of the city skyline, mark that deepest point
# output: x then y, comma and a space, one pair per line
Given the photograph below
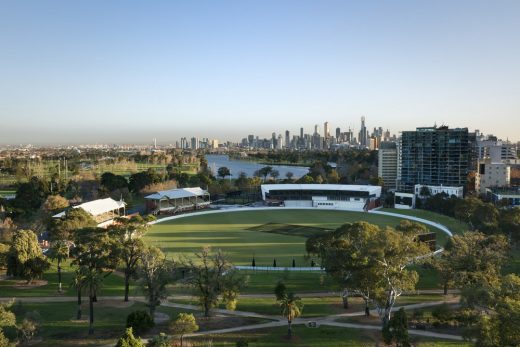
118, 72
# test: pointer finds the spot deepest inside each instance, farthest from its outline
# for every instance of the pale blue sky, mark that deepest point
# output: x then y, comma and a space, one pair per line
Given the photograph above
128, 71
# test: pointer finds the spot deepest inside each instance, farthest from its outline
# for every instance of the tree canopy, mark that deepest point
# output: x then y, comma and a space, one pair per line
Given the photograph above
371, 261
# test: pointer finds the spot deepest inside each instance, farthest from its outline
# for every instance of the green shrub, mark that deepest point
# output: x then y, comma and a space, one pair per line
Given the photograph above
129, 340
443, 313
139, 321
161, 340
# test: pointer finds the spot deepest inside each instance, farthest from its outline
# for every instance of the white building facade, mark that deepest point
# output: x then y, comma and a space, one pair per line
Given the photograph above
328, 196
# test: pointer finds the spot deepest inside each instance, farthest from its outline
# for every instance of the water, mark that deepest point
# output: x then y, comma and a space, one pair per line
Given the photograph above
215, 161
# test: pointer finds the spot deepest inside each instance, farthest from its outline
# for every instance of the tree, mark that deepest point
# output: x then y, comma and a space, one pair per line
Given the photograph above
142, 179
289, 175
74, 219
265, 171
223, 172
397, 330
92, 282
139, 321
129, 340
475, 258
25, 258
485, 218
30, 195
59, 251
370, 261
498, 317
465, 208
55, 203
333, 177
113, 182
274, 174
7, 319
154, 273
242, 181
78, 282
510, 223
184, 324
128, 245
291, 307
280, 290
93, 253
212, 275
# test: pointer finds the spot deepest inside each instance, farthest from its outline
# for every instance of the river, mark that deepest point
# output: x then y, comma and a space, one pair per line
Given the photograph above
215, 161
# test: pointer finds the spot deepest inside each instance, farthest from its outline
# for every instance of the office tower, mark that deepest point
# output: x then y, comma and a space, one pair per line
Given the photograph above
279, 142
214, 144
387, 164
316, 130
194, 143
250, 140
184, 143
386, 136
301, 133
434, 156
326, 133
287, 139
363, 136
338, 133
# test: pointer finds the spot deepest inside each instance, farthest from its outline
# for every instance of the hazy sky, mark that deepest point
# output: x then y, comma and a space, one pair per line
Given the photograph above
128, 71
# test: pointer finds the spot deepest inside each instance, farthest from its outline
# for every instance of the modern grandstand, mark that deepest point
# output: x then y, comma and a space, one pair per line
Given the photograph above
329, 196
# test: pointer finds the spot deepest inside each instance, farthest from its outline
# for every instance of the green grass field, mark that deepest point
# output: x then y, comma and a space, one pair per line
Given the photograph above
324, 336
240, 236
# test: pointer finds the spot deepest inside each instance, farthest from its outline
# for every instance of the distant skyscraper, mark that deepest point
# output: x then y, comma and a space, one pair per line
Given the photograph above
279, 142
301, 133
287, 139
363, 137
338, 133
194, 143
316, 130
326, 133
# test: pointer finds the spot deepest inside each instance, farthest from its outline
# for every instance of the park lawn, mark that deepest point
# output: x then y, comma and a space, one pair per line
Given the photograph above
313, 306
263, 282
60, 328
113, 285
324, 336
229, 231
6, 192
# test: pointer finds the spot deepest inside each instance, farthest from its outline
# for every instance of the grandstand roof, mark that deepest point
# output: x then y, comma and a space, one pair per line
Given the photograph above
98, 207
336, 187
177, 193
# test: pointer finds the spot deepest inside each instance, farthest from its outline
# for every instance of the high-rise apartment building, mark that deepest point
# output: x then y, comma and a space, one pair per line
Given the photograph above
387, 164
434, 156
